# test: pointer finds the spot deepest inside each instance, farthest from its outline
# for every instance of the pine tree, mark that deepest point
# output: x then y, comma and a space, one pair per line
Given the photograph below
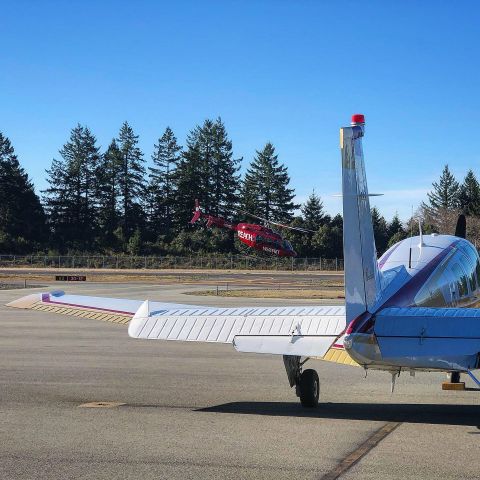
328, 242
443, 203
207, 172
22, 219
162, 185
132, 181
108, 194
395, 226
313, 213
469, 195
188, 180
70, 199
380, 231
395, 231
265, 187
225, 177
445, 192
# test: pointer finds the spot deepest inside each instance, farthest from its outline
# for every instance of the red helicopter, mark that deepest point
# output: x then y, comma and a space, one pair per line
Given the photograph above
255, 236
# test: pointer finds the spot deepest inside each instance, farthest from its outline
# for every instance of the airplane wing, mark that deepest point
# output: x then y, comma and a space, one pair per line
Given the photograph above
315, 331
305, 331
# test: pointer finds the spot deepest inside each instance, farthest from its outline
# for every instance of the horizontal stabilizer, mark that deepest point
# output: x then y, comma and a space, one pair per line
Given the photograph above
443, 338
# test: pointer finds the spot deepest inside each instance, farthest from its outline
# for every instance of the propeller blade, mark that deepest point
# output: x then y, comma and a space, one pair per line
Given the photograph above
461, 228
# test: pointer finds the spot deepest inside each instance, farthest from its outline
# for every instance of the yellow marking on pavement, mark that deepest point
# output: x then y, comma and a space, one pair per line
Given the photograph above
83, 312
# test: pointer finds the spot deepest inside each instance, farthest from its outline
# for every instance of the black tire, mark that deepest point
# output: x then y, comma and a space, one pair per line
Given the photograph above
309, 388
454, 377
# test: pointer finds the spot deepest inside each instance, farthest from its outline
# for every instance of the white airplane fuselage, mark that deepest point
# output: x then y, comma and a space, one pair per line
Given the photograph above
435, 274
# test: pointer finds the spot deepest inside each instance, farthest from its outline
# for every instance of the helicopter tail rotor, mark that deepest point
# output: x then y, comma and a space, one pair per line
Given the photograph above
197, 212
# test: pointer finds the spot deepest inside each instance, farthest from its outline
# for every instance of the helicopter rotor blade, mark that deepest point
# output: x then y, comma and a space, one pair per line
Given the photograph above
255, 216
300, 229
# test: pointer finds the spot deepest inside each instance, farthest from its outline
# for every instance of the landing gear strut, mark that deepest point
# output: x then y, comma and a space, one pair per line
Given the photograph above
454, 377
306, 383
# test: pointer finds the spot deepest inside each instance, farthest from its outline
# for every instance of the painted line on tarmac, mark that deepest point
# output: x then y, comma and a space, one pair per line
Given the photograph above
354, 457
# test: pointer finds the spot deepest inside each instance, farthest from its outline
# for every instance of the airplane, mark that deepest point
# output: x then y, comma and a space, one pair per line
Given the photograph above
413, 309
259, 237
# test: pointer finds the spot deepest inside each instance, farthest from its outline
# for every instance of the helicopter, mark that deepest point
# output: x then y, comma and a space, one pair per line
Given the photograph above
258, 237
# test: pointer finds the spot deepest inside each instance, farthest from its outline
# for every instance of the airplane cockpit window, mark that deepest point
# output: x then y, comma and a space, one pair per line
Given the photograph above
469, 267
461, 278
432, 294
471, 263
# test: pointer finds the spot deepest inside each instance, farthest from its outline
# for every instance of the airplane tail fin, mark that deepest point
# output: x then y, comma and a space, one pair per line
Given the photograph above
363, 279
197, 213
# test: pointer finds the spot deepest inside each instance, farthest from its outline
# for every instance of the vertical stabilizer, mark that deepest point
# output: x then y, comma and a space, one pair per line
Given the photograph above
362, 276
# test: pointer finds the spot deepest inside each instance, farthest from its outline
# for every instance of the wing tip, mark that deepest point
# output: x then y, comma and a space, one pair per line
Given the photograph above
136, 323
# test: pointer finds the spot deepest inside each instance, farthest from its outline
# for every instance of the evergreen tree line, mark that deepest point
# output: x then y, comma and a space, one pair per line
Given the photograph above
449, 198
112, 202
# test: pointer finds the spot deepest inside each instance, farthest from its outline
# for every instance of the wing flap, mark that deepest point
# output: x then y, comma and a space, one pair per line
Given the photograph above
307, 346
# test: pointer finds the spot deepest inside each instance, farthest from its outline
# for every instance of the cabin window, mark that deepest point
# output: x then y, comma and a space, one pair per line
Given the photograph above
461, 278
469, 269
436, 290
471, 264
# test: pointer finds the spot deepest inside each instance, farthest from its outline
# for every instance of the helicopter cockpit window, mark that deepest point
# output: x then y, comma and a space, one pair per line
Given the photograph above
287, 245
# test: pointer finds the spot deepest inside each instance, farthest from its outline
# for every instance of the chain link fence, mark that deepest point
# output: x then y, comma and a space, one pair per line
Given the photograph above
220, 262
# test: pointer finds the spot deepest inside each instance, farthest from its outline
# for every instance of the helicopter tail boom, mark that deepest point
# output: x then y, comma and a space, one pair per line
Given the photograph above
197, 213
212, 221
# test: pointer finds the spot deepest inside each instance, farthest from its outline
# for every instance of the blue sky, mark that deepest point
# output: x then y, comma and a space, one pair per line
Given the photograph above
289, 72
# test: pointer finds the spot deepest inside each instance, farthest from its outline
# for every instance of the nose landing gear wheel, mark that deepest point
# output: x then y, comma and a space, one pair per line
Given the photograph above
309, 388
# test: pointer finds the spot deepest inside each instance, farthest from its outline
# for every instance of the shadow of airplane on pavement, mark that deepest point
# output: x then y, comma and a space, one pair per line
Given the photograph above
439, 414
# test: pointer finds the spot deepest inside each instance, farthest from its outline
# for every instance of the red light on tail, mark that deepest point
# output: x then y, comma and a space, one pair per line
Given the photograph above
358, 119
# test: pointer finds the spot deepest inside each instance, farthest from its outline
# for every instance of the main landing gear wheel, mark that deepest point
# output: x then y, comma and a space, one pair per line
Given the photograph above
306, 383
309, 388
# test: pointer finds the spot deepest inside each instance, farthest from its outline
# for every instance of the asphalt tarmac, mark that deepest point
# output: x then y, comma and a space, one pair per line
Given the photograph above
194, 411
